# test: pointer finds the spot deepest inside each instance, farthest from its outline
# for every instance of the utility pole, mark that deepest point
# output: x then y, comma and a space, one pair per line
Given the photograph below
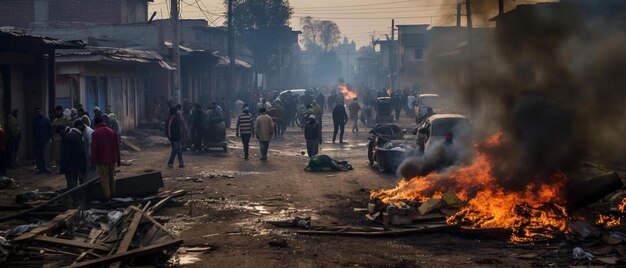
500, 7
175, 51
231, 50
468, 10
392, 65
458, 15
347, 65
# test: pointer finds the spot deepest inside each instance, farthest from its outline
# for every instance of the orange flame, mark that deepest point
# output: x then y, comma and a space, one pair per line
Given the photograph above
532, 214
622, 206
609, 220
347, 94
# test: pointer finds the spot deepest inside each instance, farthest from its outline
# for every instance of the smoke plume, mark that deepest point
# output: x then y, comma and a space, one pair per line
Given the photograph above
551, 78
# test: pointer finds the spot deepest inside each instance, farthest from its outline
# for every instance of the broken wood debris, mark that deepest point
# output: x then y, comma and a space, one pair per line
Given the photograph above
96, 237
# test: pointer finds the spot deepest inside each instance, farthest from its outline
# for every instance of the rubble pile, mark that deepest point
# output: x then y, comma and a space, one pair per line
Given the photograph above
122, 231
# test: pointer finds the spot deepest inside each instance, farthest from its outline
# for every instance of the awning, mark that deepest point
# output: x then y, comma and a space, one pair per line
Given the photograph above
112, 54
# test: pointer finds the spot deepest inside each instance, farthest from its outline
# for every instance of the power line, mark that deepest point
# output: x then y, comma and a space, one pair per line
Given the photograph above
363, 5
369, 18
361, 13
323, 8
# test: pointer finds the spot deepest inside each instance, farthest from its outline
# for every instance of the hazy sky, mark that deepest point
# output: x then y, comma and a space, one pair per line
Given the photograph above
357, 19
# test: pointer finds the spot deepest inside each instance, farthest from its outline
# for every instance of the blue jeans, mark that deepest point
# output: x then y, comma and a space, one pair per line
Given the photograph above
245, 139
264, 145
177, 150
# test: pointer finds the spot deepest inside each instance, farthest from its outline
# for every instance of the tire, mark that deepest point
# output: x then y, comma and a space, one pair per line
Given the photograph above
370, 153
381, 164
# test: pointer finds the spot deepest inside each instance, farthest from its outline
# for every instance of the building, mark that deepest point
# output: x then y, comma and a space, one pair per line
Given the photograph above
130, 82
368, 68
412, 40
24, 12
346, 52
27, 75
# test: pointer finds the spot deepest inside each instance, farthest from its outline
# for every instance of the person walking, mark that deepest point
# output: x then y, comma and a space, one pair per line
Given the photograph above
13, 142
198, 126
42, 135
174, 129
245, 130
264, 130
313, 136
354, 108
396, 101
105, 152
73, 160
340, 118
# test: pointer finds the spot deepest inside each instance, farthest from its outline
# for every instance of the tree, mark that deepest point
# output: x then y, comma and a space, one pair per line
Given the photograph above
322, 33
260, 14
329, 34
310, 32
263, 25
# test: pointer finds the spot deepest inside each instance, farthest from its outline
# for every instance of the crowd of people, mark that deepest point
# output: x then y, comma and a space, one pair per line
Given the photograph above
70, 142
191, 127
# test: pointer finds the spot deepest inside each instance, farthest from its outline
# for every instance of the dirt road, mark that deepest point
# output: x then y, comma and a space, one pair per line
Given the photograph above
230, 199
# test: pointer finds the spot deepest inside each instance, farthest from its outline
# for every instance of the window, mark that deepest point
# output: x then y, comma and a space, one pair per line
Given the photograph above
418, 54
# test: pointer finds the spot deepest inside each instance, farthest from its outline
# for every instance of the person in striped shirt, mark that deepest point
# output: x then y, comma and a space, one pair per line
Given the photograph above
245, 129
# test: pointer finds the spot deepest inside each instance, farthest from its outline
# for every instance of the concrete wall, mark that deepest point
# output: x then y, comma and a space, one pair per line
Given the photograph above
17, 13
139, 36
27, 91
20, 13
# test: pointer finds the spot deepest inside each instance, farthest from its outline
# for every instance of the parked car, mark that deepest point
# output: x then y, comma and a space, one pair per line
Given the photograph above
384, 110
435, 129
386, 147
425, 101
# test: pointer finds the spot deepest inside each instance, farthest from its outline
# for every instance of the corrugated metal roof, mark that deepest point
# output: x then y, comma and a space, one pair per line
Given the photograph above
118, 54
35, 40
226, 61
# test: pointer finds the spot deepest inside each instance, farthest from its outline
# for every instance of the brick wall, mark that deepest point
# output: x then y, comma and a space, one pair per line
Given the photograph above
18, 13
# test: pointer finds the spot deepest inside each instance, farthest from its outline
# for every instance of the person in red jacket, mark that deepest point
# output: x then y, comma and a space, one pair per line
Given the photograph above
105, 152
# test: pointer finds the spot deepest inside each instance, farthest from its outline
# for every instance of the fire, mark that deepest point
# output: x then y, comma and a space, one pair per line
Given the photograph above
533, 214
609, 220
347, 94
622, 206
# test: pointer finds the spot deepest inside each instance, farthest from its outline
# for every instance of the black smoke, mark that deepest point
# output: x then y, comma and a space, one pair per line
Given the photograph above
552, 78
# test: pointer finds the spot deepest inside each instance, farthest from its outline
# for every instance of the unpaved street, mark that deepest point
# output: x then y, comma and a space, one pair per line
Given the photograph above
230, 199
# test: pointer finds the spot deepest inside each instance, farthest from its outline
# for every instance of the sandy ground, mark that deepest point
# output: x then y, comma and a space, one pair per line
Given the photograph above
227, 211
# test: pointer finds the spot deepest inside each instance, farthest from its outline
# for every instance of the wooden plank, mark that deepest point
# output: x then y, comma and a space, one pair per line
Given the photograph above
56, 198
128, 237
155, 223
392, 232
54, 223
159, 204
128, 254
131, 145
71, 243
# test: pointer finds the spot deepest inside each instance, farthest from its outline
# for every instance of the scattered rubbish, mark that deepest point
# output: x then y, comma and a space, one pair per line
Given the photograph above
429, 206
34, 196
18, 230
580, 254
6, 182
279, 243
